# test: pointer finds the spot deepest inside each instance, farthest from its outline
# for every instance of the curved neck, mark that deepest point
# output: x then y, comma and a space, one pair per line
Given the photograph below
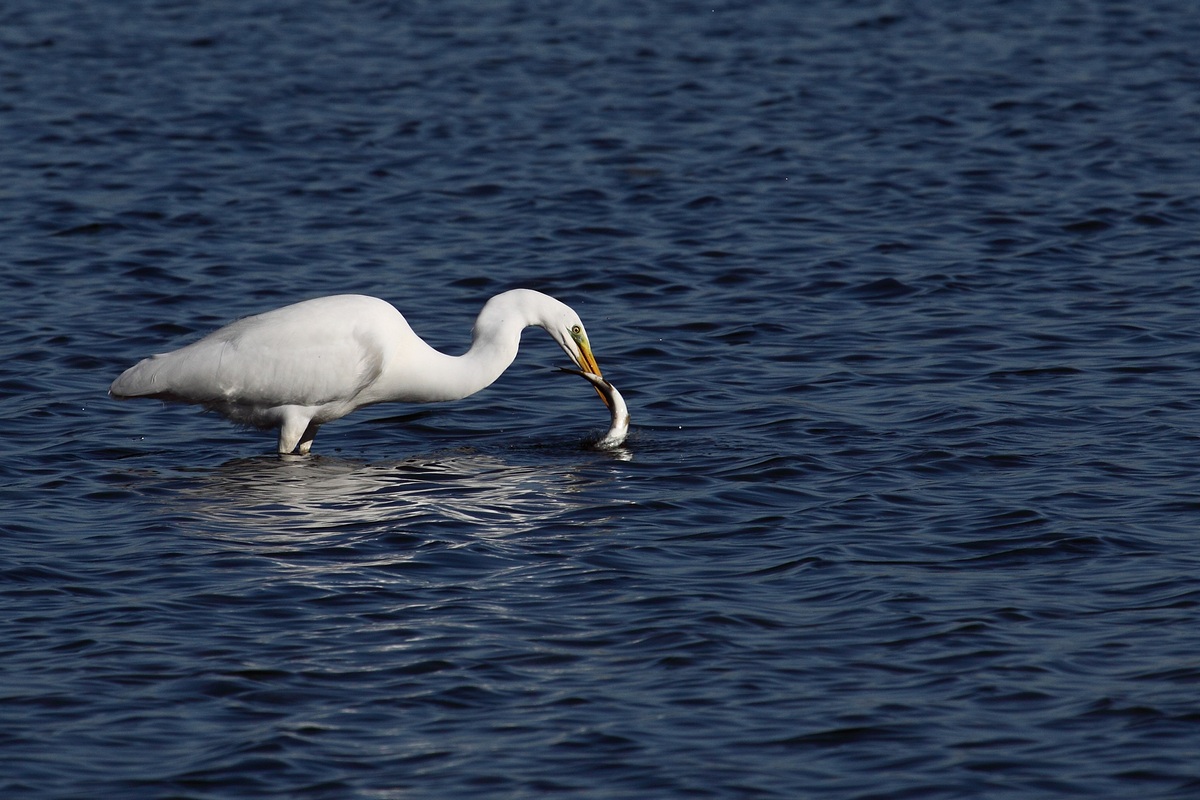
496, 337
427, 375
493, 350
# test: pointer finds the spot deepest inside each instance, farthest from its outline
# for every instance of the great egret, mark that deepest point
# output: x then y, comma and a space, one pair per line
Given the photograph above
619, 428
303, 365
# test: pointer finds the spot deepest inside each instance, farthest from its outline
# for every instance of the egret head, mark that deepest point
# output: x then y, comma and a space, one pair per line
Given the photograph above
561, 322
512, 310
575, 343
572, 338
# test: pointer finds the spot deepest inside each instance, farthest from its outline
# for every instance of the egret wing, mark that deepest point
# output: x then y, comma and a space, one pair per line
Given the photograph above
291, 356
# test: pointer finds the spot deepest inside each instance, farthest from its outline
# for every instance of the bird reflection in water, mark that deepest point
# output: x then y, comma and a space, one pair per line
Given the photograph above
272, 498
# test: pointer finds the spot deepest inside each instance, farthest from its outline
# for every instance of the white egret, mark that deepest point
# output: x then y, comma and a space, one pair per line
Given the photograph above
300, 366
619, 428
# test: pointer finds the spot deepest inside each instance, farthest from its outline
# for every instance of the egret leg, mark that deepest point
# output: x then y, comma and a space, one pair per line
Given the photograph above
291, 432
306, 439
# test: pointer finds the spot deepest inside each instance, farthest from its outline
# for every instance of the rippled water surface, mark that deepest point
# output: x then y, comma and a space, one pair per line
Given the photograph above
903, 300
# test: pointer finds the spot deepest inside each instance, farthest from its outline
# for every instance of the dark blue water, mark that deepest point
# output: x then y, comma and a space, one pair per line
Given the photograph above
903, 300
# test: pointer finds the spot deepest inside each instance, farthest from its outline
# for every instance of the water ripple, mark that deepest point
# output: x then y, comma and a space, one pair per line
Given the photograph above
901, 302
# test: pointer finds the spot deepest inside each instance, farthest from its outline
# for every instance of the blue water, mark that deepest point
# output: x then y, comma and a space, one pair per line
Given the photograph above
903, 300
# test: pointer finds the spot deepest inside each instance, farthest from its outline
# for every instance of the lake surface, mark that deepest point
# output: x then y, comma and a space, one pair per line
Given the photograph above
903, 301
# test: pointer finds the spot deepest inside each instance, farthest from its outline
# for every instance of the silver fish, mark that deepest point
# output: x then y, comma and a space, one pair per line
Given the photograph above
619, 428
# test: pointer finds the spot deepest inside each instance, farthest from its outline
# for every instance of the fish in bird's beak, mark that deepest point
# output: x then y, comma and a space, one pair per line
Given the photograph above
619, 428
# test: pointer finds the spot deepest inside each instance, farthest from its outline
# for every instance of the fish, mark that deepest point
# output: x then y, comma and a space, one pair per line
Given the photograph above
619, 427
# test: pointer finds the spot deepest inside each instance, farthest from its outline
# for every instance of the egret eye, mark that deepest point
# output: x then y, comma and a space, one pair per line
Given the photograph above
576, 330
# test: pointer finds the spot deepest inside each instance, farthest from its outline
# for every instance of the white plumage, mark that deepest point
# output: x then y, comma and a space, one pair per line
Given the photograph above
303, 365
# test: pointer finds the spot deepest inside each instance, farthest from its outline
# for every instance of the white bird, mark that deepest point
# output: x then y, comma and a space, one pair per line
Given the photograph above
300, 366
